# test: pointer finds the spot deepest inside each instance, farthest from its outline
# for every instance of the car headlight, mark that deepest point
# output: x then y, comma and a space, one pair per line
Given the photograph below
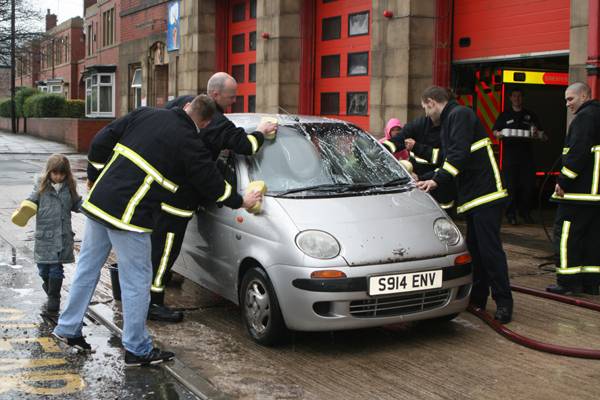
446, 231
318, 244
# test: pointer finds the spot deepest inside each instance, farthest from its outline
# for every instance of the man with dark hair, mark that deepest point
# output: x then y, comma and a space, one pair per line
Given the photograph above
468, 163
171, 222
137, 163
517, 156
577, 191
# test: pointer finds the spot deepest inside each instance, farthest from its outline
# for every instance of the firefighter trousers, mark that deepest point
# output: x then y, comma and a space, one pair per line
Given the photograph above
490, 269
167, 239
520, 182
576, 233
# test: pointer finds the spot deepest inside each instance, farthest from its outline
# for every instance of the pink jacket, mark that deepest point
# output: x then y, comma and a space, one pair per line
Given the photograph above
393, 122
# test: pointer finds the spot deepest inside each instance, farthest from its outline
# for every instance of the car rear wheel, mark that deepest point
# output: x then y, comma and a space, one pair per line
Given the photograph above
260, 309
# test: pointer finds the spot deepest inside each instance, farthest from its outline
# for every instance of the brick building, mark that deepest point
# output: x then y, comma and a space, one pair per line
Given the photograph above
4, 81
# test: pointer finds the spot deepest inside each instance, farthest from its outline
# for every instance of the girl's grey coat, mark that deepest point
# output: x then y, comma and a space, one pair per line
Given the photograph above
53, 232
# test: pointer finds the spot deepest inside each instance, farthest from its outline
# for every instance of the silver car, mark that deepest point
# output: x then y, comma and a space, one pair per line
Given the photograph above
344, 239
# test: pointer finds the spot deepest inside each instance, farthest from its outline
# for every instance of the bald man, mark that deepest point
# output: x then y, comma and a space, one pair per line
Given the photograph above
577, 192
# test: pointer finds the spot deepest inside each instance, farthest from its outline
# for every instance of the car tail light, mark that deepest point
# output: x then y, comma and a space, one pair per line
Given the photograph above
462, 259
327, 274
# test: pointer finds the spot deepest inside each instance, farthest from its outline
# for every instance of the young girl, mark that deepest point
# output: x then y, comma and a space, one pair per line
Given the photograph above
55, 194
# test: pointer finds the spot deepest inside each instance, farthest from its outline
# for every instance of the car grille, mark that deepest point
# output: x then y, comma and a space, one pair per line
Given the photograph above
403, 304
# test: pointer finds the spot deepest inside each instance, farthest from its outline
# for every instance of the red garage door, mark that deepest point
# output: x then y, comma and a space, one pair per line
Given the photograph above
241, 57
342, 60
491, 29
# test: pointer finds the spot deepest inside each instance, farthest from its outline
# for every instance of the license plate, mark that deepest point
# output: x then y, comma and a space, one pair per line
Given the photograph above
400, 283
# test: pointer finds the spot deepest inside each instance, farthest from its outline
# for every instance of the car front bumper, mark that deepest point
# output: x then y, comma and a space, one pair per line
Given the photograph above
335, 304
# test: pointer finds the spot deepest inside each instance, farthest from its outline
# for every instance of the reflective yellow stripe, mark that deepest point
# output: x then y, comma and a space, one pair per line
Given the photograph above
578, 270
391, 146
446, 206
157, 285
596, 148
482, 200
92, 209
568, 173
96, 165
494, 167
145, 166
450, 168
419, 160
254, 142
578, 197
434, 155
112, 160
226, 194
564, 239
566, 150
135, 200
480, 143
176, 211
596, 174
591, 269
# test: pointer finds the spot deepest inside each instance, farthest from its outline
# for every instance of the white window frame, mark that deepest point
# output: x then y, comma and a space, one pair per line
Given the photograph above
88, 94
55, 89
137, 88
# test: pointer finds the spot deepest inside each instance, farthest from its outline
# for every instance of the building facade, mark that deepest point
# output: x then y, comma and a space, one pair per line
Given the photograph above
4, 81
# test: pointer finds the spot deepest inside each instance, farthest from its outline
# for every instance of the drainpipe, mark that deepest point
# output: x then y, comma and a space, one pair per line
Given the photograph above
593, 60
442, 57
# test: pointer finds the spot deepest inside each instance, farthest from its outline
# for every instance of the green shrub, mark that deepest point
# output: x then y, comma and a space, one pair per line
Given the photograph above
5, 110
20, 97
44, 105
74, 109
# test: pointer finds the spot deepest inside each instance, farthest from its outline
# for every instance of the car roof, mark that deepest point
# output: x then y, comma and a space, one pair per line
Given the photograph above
253, 119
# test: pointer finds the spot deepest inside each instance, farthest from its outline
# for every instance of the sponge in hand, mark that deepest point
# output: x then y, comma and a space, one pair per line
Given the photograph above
270, 135
256, 186
24, 213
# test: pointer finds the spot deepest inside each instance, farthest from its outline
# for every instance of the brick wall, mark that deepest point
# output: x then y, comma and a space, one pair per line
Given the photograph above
139, 24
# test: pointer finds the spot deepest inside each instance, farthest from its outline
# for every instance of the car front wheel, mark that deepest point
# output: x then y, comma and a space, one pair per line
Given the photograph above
260, 308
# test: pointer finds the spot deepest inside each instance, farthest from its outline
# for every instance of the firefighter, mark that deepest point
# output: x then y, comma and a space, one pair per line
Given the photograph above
136, 163
517, 157
172, 219
468, 163
577, 192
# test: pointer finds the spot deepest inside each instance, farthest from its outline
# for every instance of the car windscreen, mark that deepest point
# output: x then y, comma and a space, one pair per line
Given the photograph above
324, 157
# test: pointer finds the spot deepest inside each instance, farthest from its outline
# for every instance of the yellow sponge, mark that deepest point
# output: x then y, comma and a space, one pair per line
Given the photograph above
270, 135
24, 213
256, 186
408, 165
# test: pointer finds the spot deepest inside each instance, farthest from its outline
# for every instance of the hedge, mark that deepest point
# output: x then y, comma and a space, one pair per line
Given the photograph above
44, 105
20, 97
5, 110
74, 109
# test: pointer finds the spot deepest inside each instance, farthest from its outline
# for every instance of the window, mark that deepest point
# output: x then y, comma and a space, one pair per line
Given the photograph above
239, 12
330, 66
66, 48
252, 103
358, 63
252, 72
358, 24
136, 88
237, 71
252, 9
332, 28
252, 40
356, 103
56, 89
238, 106
330, 103
88, 37
108, 27
100, 95
238, 43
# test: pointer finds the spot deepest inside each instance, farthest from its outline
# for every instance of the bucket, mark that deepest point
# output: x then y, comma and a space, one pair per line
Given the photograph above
114, 281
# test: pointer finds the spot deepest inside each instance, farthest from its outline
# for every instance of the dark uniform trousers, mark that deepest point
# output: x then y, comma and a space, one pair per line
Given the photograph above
577, 240
520, 182
167, 239
490, 269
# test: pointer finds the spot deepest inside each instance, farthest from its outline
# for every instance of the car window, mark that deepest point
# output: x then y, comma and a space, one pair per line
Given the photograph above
320, 154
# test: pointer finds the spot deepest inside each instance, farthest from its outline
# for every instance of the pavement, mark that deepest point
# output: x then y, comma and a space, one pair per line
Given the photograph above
216, 359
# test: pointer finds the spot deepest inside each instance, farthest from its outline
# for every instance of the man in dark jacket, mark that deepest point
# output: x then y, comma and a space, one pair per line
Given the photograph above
136, 163
469, 164
577, 191
172, 220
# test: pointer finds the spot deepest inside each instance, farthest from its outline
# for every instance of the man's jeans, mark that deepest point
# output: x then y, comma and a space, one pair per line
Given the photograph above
47, 271
135, 274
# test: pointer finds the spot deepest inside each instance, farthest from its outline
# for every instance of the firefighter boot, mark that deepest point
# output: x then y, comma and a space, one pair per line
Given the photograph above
159, 312
45, 284
54, 286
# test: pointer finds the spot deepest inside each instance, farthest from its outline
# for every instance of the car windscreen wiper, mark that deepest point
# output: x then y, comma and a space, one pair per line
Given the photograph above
327, 187
403, 180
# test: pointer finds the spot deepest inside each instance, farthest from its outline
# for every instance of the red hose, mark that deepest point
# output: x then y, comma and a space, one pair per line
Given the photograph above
535, 344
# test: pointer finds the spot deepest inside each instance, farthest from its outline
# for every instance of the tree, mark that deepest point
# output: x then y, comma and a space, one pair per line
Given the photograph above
27, 23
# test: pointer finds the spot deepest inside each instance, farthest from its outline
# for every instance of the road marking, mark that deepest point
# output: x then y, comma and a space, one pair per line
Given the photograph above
8, 364
14, 314
48, 344
29, 382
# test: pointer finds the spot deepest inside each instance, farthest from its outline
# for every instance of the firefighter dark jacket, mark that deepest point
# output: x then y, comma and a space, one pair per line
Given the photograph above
138, 162
468, 160
580, 173
426, 151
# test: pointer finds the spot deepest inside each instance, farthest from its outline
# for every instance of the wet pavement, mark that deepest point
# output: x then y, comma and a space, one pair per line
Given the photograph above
463, 359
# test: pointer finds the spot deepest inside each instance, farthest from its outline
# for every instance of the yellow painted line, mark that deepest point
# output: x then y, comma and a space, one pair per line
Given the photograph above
31, 383
8, 364
48, 344
18, 326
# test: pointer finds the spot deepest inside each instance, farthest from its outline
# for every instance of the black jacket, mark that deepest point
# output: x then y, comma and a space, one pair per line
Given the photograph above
425, 153
468, 160
580, 173
517, 150
140, 161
